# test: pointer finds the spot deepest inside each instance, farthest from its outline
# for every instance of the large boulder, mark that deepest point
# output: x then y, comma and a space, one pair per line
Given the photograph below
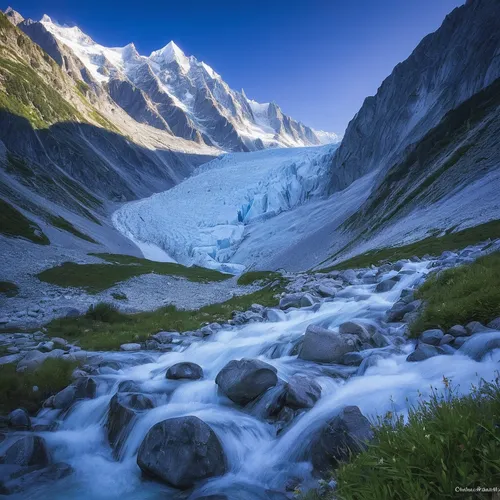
20, 479
432, 337
476, 327
65, 398
325, 346
123, 407
363, 331
346, 434
423, 352
244, 380
185, 370
85, 388
458, 331
302, 392
385, 286
19, 419
181, 451
27, 450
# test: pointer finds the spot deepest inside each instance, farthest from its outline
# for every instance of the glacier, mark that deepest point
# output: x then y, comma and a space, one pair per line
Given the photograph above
203, 220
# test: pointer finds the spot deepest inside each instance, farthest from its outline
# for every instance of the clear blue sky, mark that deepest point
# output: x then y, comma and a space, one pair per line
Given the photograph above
318, 59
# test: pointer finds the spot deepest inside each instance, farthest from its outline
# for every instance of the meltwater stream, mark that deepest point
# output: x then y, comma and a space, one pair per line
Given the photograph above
260, 461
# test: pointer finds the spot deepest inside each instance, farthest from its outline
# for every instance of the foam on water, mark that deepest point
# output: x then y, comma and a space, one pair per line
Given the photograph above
258, 458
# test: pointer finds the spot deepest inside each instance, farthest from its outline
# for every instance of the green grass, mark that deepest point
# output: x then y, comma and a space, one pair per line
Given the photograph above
26, 94
120, 328
14, 224
65, 225
95, 278
448, 442
8, 288
16, 389
253, 276
457, 296
433, 245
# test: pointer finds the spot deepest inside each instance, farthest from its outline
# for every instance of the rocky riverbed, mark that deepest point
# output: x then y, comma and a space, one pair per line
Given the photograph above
249, 409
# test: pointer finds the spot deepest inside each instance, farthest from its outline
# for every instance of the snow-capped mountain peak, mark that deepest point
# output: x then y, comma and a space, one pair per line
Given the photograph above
169, 54
185, 95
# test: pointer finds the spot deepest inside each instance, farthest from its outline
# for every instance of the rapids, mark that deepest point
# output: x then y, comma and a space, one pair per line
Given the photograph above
260, 461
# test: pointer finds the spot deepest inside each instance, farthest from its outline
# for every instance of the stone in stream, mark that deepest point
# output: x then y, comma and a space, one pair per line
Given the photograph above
19, 419
182, 451
423, 352
477, 346
65, 398
274, 315
244, 380
432, 337
380, 340
301, 392
363, 331
459, 341
345, 435
368, 362
85, 388
185, 370
296, 300
25, 451
386, 285
326, 346
123, 408
447, 339
19, 479
398, 311
129, 386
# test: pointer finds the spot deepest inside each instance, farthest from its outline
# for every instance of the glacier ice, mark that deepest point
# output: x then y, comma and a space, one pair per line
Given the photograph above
203, 220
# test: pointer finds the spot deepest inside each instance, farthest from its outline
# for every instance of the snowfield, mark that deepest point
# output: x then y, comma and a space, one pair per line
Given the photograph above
205, 219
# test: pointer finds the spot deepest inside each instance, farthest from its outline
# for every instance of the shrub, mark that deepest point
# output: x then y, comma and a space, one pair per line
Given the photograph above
104, 312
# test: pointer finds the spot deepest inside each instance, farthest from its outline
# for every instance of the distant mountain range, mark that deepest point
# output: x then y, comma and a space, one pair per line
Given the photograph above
171, 91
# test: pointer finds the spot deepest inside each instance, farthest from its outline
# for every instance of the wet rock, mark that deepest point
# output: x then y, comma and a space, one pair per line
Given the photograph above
65, 398
19, 419
244, 380
22, 478
458, 331
368, 362
349, 276
363, 332
423, 352
326, 291
130, 347
123, 408
495, 324
380, 340
85, 388
447, 339
296, 300
182, 451
400, 309
241, 318
345, 435
302, 392
185, 370
325, 346
129, 386
385, 286
432, 337
477, 346
352, 359
274, 315
459, 341
27, 450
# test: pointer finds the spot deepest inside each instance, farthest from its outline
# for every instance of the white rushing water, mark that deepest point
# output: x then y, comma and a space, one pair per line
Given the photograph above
258, 458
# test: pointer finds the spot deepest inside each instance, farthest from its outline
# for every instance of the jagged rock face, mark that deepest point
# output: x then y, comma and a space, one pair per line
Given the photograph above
135, 103
446, 68
14, 17
191, 98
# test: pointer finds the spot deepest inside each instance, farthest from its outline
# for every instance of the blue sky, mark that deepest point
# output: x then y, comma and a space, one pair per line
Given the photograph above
318, 59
